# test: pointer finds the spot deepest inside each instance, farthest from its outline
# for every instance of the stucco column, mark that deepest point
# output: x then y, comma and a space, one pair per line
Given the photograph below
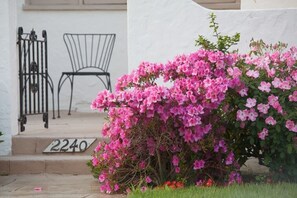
8, 75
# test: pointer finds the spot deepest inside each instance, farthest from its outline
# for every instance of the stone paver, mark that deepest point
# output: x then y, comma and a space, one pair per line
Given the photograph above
51, 185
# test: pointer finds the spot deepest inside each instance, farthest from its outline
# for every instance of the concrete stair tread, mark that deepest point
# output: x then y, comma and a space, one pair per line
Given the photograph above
45, 157
33, 164
79, 124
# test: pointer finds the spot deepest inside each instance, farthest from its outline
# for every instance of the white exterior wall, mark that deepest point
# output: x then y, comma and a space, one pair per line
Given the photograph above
267, 4
158, 30
8, 75
56, 23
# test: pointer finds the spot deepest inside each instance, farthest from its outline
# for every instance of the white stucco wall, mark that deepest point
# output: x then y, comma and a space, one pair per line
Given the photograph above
8, 75
56, 23
160, 29
267, 4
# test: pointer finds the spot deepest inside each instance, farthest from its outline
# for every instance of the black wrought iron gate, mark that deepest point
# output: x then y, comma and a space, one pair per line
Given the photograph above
34, 80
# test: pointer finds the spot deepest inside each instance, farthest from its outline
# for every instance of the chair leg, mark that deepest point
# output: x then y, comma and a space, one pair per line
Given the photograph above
60, 84
71, 94
108, 83
51, 84
58, 94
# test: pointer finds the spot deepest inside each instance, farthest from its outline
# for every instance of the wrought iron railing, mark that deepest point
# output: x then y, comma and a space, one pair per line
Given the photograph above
34, 80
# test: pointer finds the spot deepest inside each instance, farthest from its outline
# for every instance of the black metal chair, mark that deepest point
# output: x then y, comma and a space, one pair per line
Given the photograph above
90, 55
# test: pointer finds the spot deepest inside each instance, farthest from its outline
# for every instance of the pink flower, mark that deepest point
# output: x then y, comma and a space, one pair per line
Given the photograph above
265, 86
294, 75
270, 72
199, 164
243, 92
272, 99
38, 189
252, 116
199, 183
251, 102
252, 73
263, 108
276, 82
263, 134
148, 180
293, 97
290, 124
102, 177
175, 160
241, 115
285, 85
270, 120
176, 169
234, 177
98, 147
116, 187
221, 144
95, 161
230, 158
143, 188
142, 165
234, 72
102, 188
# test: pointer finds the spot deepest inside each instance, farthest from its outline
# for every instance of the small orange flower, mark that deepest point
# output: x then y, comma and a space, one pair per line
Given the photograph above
179, 184
209, 183
174, 184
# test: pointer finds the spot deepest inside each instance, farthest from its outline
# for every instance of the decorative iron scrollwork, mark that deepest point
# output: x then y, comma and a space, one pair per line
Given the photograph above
23, 121
33, 66
33, 36
34, 80
45, 120
34, 87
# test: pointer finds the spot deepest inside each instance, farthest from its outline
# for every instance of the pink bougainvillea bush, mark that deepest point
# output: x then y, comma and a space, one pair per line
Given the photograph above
216, 110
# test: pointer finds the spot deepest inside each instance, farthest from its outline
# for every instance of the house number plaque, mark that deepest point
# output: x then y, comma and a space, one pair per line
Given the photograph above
69, 145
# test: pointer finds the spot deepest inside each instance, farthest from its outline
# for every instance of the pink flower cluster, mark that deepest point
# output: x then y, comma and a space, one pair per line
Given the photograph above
291, 126
263, 134
141, 114
269, 81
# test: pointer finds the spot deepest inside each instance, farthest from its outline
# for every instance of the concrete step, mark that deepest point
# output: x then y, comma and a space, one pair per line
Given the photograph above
53, 164
27, 147
22, 145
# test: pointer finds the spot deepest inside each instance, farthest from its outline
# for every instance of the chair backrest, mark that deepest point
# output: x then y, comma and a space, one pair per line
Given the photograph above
89, 50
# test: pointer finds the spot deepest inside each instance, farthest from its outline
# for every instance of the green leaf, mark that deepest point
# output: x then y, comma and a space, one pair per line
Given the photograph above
289, 148
259, 125
252, 141
278, 128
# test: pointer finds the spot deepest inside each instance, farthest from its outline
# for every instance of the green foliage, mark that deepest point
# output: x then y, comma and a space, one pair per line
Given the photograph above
259, 47
223, 43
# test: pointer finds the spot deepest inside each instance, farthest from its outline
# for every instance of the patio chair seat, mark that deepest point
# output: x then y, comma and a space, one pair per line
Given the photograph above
86, 73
